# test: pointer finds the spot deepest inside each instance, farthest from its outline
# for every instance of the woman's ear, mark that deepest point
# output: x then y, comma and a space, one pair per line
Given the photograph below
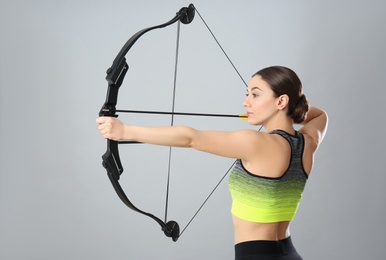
282, 102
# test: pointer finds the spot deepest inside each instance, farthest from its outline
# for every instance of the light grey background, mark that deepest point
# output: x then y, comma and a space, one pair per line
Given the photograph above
56, 201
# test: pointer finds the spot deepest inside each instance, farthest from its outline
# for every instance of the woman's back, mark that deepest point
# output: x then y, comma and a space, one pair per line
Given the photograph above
281, 179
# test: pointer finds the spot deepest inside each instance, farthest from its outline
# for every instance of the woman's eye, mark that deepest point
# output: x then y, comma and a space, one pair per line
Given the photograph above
252, 94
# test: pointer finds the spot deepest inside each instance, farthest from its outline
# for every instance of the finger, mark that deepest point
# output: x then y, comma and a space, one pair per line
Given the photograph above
105, 133
102, 119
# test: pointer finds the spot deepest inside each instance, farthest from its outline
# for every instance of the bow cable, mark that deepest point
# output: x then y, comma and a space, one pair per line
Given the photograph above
222, 49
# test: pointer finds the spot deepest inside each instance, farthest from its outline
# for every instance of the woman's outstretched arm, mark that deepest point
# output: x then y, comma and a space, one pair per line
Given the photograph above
237, 144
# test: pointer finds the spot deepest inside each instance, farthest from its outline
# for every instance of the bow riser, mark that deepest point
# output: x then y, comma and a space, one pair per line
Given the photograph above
115, 76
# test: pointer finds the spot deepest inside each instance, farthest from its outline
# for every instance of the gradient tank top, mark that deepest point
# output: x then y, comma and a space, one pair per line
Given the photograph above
263, 199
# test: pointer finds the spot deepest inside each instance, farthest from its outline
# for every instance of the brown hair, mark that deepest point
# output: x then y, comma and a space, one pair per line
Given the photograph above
284, 81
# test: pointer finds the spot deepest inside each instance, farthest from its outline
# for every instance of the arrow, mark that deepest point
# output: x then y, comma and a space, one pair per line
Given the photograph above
242, 116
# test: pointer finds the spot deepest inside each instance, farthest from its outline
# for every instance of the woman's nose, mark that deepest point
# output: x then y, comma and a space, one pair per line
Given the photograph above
246, 102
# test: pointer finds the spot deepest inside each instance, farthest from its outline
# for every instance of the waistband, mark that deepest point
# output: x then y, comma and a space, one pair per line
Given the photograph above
279, 247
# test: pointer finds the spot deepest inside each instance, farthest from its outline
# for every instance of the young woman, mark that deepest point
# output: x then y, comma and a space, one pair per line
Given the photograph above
269, 177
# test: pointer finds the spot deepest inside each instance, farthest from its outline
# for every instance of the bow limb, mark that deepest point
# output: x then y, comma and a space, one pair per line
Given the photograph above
114, 168
185, 15
115, 75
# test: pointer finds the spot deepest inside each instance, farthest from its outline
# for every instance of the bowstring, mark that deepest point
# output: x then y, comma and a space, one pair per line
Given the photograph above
172, 117
229, 169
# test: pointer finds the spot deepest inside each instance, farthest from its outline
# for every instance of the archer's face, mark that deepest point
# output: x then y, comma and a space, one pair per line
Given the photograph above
260, 103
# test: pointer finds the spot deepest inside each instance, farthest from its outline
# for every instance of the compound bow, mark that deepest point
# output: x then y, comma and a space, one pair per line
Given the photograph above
115, 76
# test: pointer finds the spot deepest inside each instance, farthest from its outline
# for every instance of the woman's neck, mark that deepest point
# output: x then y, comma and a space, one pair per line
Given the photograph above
280, 121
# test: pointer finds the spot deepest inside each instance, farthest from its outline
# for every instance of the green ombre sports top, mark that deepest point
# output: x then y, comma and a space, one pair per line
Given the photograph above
264, 199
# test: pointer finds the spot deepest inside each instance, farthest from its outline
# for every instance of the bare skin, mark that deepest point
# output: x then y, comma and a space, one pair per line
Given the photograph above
261, 153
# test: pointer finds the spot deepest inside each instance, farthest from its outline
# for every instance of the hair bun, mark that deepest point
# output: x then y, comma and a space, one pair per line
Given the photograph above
301, 109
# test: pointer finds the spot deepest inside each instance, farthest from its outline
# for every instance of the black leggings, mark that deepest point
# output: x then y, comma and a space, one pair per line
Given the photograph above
267, 250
